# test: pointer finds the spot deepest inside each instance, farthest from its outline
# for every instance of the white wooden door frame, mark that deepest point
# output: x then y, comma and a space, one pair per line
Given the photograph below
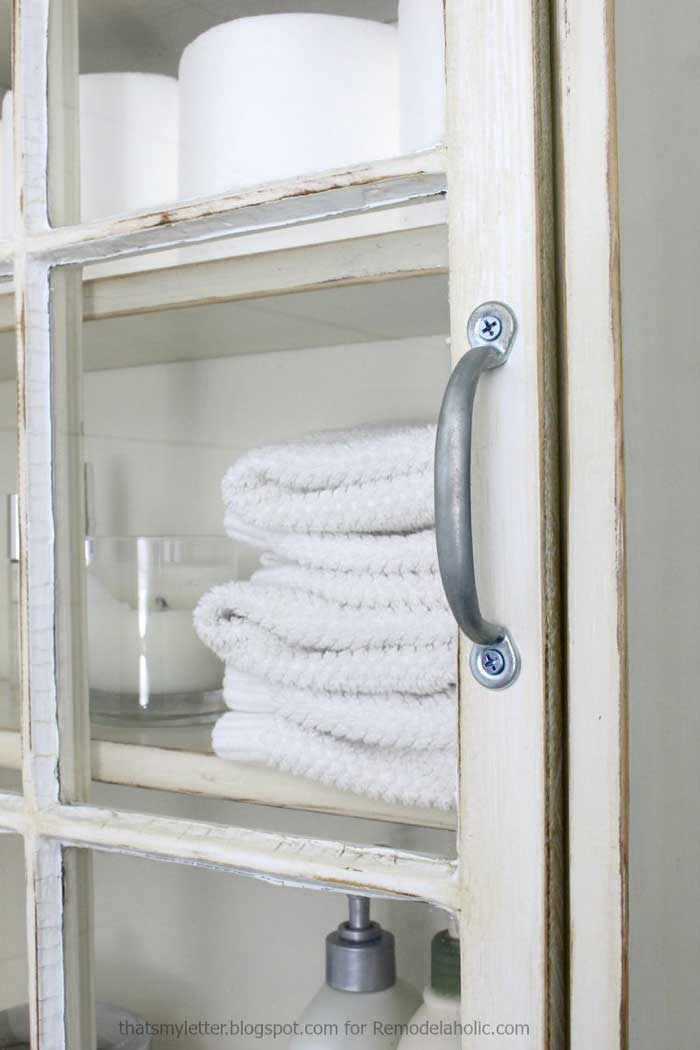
593, 471
507, 882
501, 241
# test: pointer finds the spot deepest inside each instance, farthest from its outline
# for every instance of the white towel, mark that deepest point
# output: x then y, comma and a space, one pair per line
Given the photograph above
373, 480
308, 622
340, 652
405, 777
357, 590
416, 670
348, 552
390, 720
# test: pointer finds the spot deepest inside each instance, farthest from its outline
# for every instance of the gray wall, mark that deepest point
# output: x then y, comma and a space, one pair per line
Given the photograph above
658, 50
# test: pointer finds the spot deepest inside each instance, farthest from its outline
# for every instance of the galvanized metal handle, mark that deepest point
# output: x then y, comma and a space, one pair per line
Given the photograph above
491, 332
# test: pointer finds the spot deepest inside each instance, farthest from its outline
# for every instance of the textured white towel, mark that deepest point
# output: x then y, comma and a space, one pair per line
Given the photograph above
383, 719
409, 778
348, 552
416, 670
341, 652
357, 590
374, 480
309, 622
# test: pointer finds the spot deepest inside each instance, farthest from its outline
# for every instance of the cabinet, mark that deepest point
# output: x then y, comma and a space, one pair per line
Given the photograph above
158, 344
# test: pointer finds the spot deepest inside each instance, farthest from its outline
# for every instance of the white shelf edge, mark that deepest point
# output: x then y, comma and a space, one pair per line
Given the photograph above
359, 190
415, 252
203, 775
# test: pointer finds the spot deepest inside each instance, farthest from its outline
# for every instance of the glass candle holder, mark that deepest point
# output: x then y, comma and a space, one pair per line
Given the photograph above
111, 1022
145, 661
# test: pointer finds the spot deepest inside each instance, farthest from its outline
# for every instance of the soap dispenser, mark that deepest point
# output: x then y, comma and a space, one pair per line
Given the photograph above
362, 1005
437, 1024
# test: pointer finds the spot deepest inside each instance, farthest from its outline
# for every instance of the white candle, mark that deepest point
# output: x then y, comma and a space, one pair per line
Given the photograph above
149, 646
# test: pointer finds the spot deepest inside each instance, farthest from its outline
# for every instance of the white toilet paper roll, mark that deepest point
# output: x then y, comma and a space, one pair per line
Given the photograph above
422, 74
272, 96
128, 144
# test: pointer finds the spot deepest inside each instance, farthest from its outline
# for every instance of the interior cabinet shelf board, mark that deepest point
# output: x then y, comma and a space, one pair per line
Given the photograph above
195, 771
357, 290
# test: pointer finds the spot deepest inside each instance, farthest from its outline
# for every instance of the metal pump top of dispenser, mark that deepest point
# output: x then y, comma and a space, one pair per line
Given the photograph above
360, 955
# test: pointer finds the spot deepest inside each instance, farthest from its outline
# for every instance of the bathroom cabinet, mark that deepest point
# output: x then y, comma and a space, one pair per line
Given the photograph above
156, 345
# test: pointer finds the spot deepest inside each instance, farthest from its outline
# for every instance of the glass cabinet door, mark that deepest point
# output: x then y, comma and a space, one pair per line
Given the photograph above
251, 294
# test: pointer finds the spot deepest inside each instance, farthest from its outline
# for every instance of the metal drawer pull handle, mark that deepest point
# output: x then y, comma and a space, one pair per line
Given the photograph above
491, 331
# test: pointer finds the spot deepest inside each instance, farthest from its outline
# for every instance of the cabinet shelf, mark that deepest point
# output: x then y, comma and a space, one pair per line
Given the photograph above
360, 289
185, 770
179, 759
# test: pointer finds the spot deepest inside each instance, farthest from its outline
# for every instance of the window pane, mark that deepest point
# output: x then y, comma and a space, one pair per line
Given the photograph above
175, 395
13, 934
9, 540
181, 100
177, 945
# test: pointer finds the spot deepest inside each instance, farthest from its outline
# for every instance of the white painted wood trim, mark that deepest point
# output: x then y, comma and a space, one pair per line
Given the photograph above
37, 570
595, 558
45, 906
499, 177
360, 260
364, 189
59, 897
30, 117
289, 859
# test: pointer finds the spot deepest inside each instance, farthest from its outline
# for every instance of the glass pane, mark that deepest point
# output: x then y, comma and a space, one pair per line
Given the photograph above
226, 956
181, 100
13, 935
9, 540
362, 831
331, 688
6, 177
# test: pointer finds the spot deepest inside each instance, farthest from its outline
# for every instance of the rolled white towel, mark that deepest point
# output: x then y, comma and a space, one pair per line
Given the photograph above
405, 777
308, 622
371, 480
417, 670
382, 719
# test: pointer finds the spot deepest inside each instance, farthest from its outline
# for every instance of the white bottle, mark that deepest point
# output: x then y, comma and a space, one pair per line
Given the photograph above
436, 1025
362, 1005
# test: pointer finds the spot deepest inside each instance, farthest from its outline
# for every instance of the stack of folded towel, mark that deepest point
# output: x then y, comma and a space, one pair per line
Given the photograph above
340, 651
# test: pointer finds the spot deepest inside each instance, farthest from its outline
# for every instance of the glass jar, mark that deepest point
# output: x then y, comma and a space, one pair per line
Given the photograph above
117, 1029
145, 661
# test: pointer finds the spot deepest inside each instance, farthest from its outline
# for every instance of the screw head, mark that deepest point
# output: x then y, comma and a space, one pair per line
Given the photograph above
490, 327
493, 661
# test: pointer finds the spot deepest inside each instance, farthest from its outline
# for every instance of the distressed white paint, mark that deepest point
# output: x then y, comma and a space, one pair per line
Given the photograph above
363, 189
594, 526
39, 711
45, 885
291, 859
500, 249
391, 256
58, 882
